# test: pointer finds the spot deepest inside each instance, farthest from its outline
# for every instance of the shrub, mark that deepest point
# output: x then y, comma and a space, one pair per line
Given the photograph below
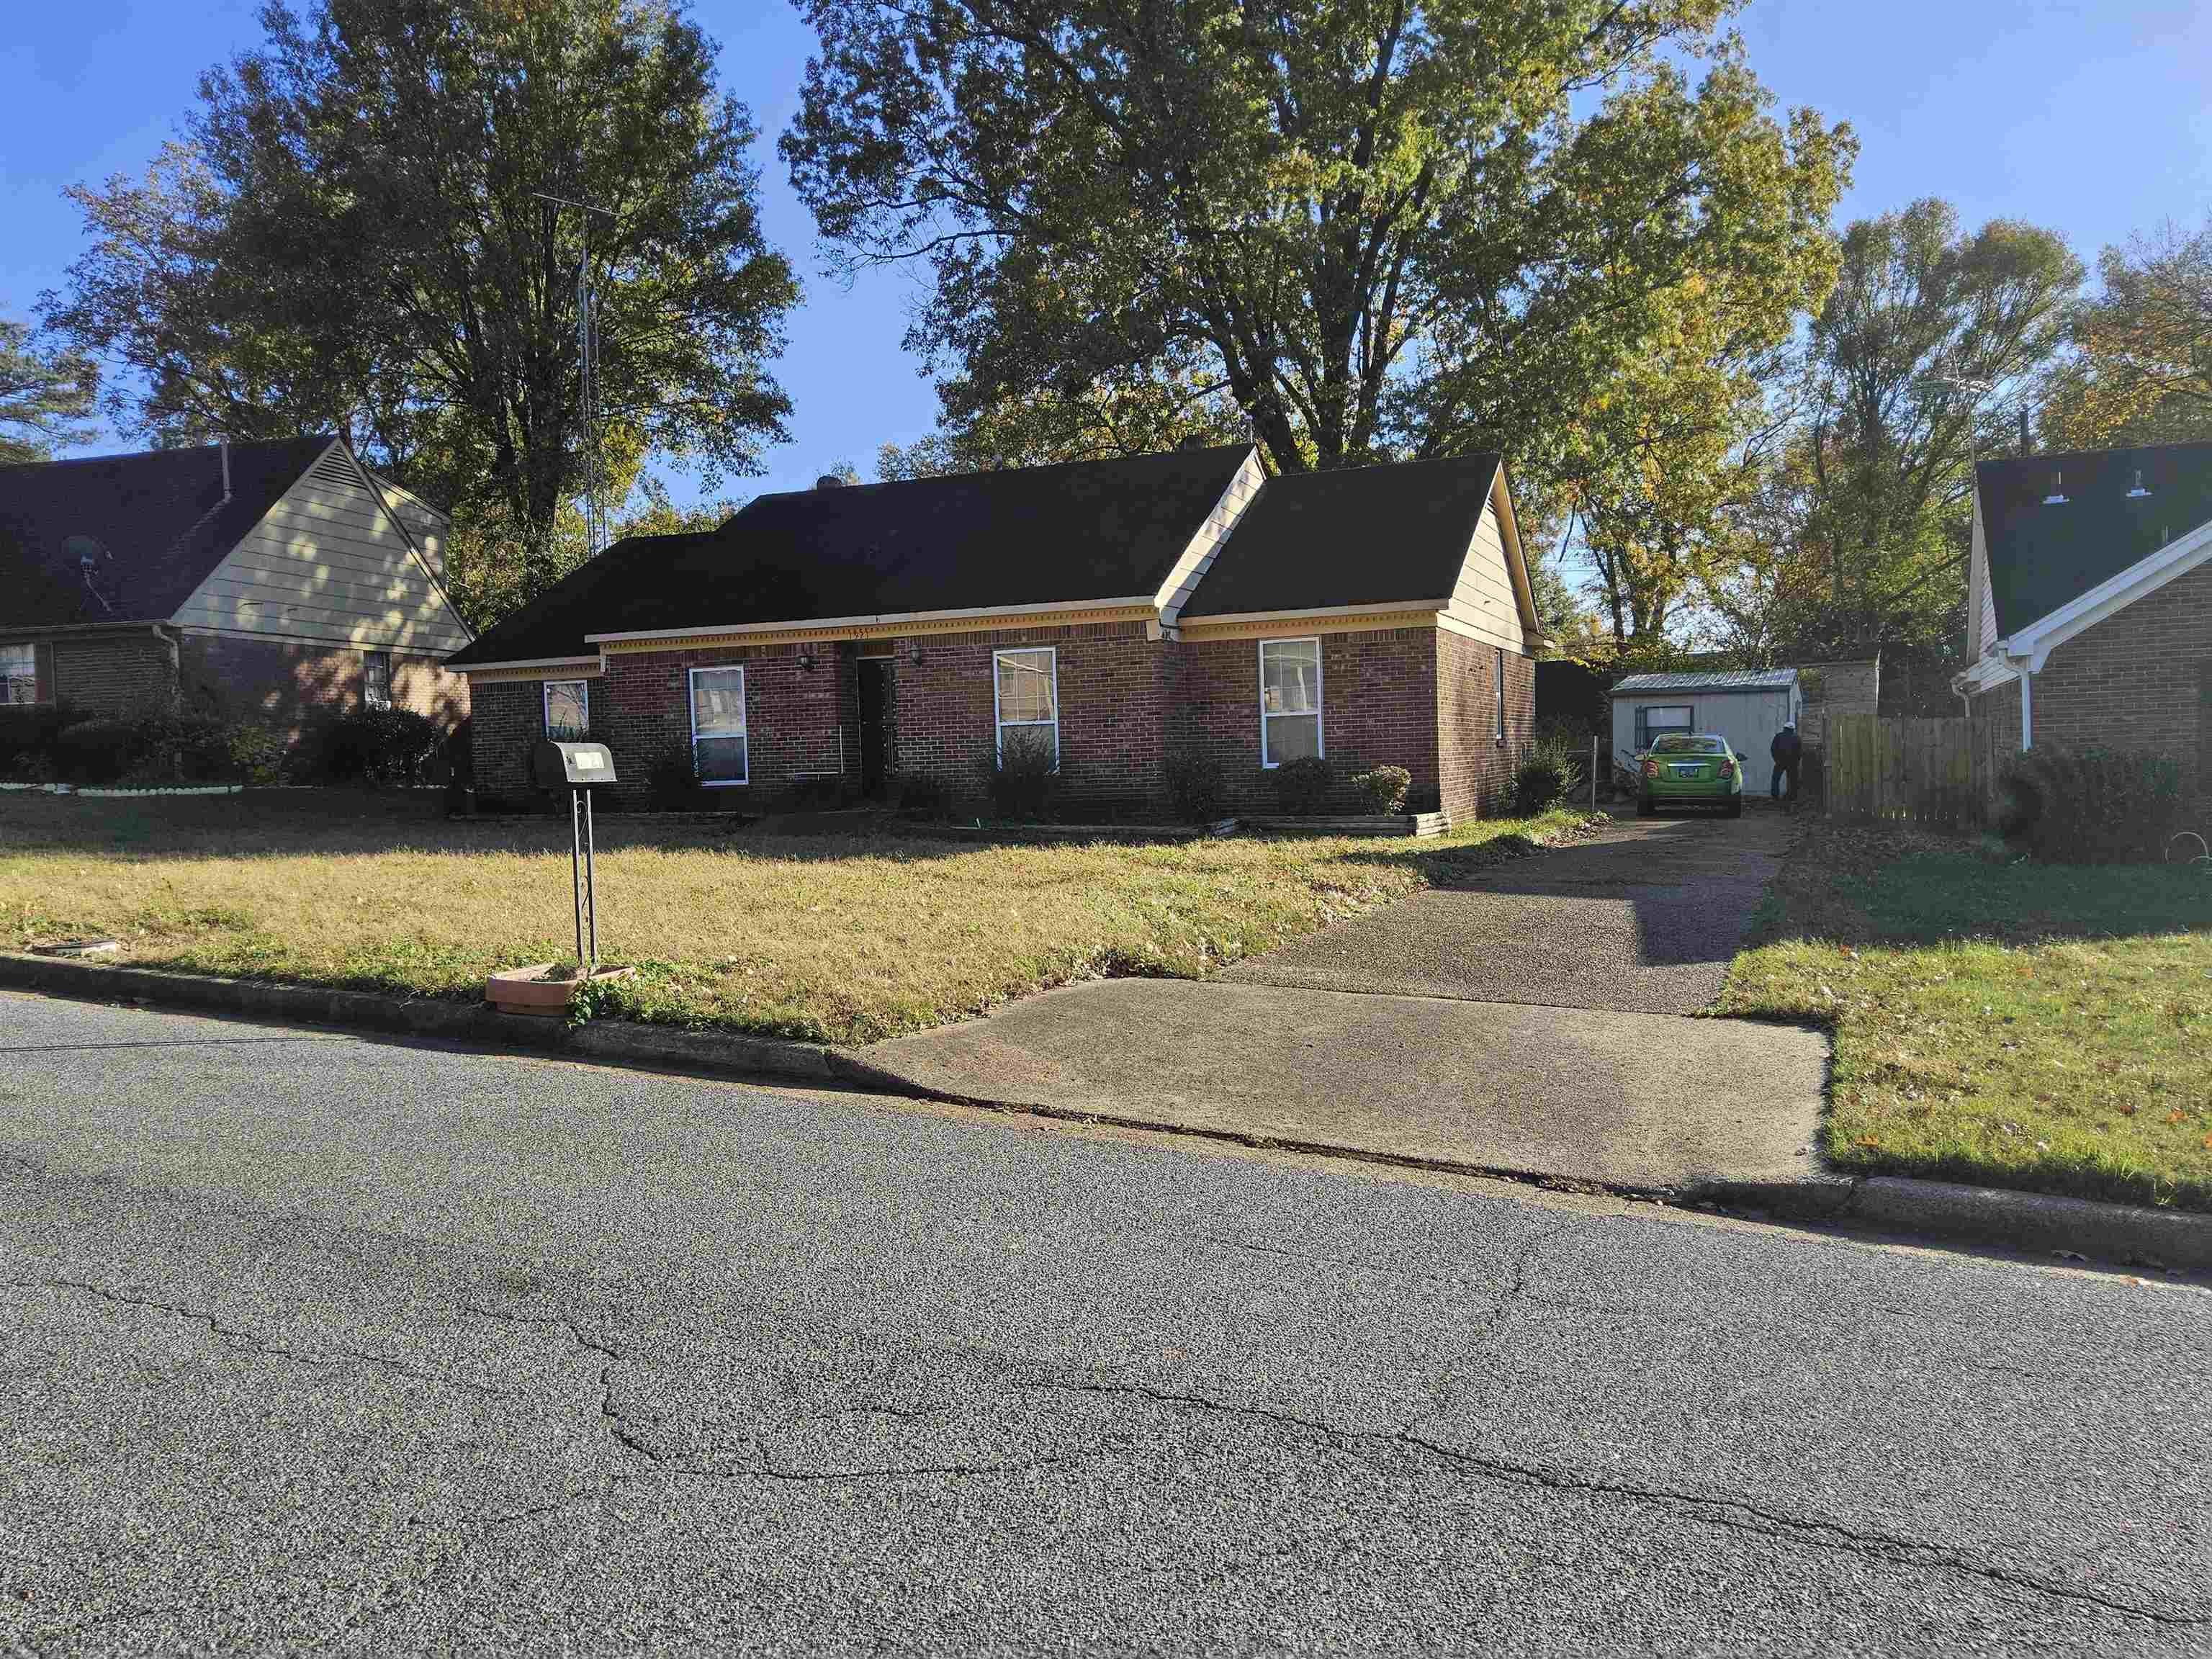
30, 729
671, 780
254, 755
1552, 771
2089, 806
1022, 773
1302, 786
1194, 786
1383, 788
373, 746
922, 796
98, 750
35, 766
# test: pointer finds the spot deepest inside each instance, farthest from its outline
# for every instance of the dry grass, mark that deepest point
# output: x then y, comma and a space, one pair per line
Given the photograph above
2012, 1024
843, 938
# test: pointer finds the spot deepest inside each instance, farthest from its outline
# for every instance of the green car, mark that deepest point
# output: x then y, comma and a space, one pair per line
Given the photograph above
1691, 769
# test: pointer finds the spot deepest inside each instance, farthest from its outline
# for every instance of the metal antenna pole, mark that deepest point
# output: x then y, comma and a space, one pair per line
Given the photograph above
588, 350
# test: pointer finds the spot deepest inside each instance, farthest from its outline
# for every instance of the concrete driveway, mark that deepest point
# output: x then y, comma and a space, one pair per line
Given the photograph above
1644, 917
1528, 1021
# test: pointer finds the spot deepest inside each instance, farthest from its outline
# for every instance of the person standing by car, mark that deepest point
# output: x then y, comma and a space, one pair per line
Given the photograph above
1785, 750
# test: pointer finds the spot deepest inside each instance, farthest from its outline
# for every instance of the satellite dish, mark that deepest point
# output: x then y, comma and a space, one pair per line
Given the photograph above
87, 550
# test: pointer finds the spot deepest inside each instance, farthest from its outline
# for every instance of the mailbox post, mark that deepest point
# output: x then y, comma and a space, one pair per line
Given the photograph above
578, 767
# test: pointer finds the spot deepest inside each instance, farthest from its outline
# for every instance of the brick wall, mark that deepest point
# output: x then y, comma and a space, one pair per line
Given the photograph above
2131, 681
114, 673
1476, 769
2000, 704
284, 684
1837, 687
1125, 704
1378, 700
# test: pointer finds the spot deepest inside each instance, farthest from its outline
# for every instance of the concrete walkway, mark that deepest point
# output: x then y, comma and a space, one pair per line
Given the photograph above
1528, 1021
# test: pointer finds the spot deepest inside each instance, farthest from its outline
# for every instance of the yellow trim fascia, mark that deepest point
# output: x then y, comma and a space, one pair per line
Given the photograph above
1269, 627
547, 671
802, 634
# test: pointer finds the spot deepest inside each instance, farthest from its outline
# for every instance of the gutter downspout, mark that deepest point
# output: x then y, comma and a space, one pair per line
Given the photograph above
2027, 705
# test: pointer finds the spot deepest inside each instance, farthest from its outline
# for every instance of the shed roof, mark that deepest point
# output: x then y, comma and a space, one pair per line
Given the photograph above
2044, 553
1748, 679
158, 518
1369, 535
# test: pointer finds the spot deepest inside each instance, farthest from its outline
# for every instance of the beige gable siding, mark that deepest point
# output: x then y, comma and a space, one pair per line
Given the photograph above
1981, 598
425, 523
1191, 567
327, 565
1483, 604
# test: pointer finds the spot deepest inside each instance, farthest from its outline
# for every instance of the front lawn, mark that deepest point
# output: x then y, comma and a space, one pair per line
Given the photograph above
837, 937
2010, 1025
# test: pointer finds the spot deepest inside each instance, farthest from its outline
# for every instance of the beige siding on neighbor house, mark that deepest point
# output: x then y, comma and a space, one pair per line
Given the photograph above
1483, 603
327, 566
1196, 559
1981, 598
425, 523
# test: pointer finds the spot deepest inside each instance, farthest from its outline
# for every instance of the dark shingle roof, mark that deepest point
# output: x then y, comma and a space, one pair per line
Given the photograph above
153, 513
2041, 556
1038, 535
1370, 535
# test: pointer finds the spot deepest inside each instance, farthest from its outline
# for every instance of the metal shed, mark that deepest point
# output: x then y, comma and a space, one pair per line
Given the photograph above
1746, 707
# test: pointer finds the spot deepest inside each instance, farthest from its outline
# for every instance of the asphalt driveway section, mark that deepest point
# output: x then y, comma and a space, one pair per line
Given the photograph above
1637, 1101
1645, 917
324, 1343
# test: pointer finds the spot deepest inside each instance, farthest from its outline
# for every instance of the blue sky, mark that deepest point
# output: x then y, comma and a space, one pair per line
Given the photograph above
2090, 117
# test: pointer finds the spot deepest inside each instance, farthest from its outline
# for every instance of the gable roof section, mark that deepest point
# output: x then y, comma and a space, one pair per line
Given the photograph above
551, 628
159, 515
1078, 533
1364, 536
2042, 556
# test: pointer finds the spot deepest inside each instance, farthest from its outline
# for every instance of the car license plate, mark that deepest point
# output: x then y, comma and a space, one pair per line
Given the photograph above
1689, 771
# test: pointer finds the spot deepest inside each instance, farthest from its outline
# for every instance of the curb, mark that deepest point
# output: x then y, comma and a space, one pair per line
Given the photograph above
2125, 1234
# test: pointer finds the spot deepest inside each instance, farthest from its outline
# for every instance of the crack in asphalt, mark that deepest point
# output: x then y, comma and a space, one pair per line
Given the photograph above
1727, 1512
616, 1419
239, 1336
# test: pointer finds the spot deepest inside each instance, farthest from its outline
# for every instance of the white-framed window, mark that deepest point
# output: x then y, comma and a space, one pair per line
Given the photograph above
376, 679
719, 754
1654, 721
1497, 668
1026, 697
19, 673
567, 706
1290, 700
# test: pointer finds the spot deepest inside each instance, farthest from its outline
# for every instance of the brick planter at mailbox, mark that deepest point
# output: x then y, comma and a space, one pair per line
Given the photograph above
527, 991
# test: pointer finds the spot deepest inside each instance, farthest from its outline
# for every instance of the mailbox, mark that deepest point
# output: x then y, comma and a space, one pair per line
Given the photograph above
570, 765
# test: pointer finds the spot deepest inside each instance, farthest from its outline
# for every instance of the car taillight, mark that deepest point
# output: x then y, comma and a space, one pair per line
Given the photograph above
1650, 767
1728, 769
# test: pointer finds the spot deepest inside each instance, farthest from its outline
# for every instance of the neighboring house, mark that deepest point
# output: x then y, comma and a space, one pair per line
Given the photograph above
2089, 602
1122, 613
1746, 706
260, 580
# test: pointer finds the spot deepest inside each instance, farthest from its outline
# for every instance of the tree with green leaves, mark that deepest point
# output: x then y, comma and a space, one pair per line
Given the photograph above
2142, 370
355, 231
1373, 227
1921, 361
46, 397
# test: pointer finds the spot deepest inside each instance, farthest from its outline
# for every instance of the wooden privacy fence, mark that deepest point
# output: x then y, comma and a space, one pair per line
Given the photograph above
1927, 771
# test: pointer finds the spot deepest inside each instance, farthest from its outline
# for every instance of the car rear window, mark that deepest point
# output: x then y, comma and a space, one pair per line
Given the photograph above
1681, 745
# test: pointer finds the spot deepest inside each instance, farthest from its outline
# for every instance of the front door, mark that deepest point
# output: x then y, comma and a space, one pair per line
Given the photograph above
877, 679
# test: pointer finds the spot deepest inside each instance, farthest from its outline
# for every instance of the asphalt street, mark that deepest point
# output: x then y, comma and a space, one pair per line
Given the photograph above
318, 1343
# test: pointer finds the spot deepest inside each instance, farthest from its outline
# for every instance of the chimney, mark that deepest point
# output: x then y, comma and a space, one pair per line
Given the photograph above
829, 481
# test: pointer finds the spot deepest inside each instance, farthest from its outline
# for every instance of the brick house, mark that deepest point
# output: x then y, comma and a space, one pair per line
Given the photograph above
2089, 602
258, 580
1121, 612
